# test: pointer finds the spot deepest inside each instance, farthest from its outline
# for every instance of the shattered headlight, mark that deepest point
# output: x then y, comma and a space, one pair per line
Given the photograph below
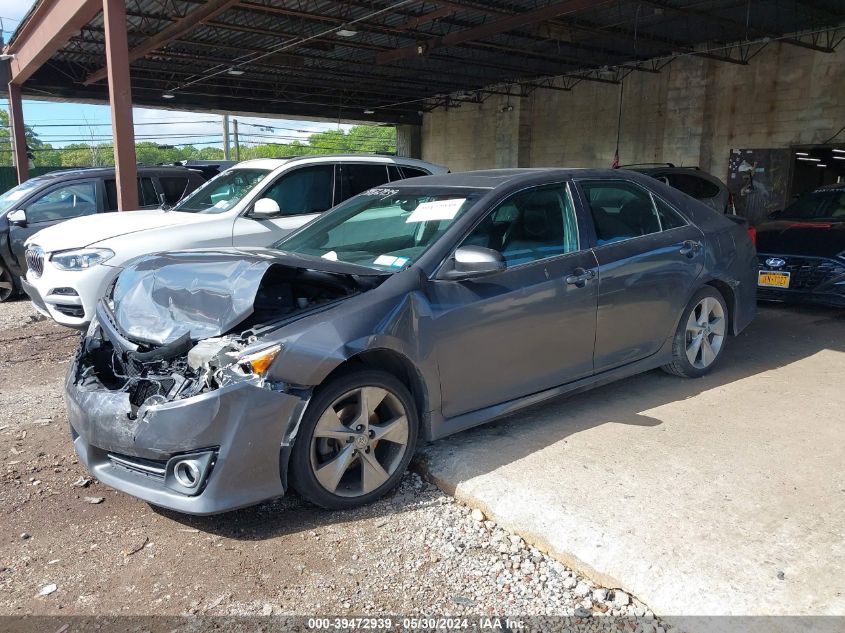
257, 363
81, 259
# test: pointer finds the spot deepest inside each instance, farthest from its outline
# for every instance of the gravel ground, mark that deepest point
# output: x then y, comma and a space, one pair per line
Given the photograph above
92, 550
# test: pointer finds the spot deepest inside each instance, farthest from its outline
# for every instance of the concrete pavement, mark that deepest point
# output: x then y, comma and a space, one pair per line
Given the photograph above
723, 495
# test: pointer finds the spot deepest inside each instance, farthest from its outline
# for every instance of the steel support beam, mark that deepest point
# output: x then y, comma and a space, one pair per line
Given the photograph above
120, 98
48, 29
174, 31
18, 133
494, 27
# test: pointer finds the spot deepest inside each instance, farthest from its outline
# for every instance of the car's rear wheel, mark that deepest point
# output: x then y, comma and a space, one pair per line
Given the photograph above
7, 284
701, 335
355, 441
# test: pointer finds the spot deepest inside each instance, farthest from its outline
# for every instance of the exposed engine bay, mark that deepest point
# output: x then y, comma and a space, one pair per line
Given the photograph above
189, 365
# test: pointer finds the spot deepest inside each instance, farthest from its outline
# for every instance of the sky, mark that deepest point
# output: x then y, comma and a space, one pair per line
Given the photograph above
62, 123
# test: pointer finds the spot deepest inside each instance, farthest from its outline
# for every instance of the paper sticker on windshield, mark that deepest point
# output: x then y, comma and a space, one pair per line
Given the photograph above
437, 210
332, 255
390, 260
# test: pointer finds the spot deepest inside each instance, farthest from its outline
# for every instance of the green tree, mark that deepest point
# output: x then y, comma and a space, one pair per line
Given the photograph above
32, 141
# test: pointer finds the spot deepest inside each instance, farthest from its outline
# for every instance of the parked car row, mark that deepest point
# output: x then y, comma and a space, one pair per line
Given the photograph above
59, 196
254, 203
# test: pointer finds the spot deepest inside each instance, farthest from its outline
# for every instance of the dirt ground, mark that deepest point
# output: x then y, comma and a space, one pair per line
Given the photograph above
415, 552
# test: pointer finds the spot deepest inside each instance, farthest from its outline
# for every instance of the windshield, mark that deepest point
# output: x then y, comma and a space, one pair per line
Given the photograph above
9, 199
222, 192
385, 229
820, 205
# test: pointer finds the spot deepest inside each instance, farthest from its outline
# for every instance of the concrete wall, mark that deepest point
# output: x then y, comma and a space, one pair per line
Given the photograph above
691, 113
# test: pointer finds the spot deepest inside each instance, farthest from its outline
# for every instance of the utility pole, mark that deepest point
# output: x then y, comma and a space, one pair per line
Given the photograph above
226, 151
237, 141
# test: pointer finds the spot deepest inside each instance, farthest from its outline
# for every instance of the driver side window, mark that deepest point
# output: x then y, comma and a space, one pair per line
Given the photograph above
531, 225
69, 201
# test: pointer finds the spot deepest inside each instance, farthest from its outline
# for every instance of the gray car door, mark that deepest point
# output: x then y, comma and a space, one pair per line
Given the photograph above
650, 258
528, 328
57, 204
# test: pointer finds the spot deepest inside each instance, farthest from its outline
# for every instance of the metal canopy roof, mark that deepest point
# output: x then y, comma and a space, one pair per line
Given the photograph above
391, 60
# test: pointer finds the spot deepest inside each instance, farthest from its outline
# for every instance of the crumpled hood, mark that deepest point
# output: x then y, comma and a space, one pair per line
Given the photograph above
159, 298
797, 237
90, 229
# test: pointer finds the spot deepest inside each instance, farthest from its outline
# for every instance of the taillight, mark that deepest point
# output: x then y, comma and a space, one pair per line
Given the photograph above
752, 233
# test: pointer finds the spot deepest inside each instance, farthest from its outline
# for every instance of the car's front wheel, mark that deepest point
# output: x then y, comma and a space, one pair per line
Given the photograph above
701, 335
356, 439
7, 284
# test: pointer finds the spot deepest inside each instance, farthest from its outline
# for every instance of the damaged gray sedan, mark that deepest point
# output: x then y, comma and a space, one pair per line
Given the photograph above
213, 380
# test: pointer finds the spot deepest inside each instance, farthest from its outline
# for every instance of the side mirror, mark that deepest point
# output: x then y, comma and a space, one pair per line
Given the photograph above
265, 208
17, 217
474, 261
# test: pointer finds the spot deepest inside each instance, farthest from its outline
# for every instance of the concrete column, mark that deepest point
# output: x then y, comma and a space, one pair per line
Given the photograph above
18, 132
513, 132
409, 141
120, 98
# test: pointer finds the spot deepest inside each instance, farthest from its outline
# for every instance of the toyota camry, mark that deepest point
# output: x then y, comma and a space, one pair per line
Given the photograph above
212, 380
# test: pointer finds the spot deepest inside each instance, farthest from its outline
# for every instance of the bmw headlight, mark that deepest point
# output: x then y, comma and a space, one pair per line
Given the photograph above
81, 259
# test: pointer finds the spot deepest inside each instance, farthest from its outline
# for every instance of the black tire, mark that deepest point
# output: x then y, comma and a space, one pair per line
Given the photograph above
7, 284
683, 342
307, 448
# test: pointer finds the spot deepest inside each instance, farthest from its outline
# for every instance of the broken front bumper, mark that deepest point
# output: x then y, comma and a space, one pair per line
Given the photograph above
240, 435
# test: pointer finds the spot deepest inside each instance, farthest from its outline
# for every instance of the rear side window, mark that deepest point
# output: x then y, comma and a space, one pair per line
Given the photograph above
621, 210
413, 172
669, 218
147, 195
173, 187
394, 172
355, 179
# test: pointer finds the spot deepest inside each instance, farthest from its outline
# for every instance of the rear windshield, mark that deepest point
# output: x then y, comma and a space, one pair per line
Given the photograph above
819, 205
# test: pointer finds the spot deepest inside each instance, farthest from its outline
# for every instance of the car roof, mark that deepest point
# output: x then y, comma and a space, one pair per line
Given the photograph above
95, 172
275, 163
497, 178
668, 168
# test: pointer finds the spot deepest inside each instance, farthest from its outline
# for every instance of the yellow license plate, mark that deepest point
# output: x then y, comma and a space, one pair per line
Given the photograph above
773, 280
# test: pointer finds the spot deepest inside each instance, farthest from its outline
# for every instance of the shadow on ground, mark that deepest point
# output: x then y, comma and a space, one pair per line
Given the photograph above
780, 335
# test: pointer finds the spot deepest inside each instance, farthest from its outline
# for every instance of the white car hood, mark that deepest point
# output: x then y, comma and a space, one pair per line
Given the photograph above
90, 229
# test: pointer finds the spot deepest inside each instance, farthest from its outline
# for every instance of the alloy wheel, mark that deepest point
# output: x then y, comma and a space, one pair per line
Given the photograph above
705, 333
359, 441
6, 286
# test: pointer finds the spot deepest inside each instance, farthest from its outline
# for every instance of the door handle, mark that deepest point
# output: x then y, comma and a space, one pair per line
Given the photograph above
691, 248
580, 277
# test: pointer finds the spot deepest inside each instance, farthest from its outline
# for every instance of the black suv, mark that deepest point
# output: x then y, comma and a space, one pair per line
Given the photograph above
62, 195
692, 181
